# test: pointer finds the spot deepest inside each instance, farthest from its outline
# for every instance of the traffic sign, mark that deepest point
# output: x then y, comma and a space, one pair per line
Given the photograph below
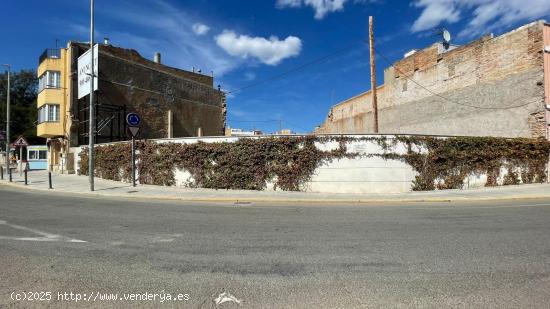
133, 131
133, 119
20, 142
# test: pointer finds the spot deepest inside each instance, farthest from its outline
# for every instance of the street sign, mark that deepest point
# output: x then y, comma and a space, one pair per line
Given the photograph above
133, 131
20, 142
133, 119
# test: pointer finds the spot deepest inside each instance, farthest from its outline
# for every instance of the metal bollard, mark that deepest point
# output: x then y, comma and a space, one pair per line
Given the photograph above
9, 171
2, 173
50, 180
26, 182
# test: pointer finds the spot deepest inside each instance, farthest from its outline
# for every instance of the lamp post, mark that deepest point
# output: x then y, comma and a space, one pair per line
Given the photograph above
8, 68
91, 129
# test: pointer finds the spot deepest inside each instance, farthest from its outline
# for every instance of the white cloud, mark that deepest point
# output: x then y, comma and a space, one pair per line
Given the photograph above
435, 12
269, 51
486, 15
321, 7
200, 29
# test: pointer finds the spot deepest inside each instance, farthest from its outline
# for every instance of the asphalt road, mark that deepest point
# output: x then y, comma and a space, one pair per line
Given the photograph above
436, 255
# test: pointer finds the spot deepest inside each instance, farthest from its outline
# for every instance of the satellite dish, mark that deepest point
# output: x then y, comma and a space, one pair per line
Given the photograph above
446, 36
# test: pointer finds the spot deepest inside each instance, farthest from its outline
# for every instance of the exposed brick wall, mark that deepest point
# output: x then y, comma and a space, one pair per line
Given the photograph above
491, 73
152, 92
151, 89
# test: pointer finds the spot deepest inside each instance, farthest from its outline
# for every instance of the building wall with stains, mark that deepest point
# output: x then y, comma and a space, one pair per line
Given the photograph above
163, 96
493, 86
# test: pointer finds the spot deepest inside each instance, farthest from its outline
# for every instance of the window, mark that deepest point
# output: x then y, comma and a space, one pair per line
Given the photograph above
48, 80
38, 154
33, 154
48, 113
42, 154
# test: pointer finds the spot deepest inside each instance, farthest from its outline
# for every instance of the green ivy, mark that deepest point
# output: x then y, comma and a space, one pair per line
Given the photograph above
289, 162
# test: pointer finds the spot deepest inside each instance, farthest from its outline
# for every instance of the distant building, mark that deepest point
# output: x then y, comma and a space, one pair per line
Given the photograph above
494, 86
284, 132
171, 102
241, 132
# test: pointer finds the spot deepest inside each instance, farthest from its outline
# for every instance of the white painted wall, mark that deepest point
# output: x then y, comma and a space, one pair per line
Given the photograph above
362, 174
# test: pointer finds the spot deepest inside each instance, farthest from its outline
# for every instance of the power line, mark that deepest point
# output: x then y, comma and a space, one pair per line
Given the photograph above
305, 65
445, 98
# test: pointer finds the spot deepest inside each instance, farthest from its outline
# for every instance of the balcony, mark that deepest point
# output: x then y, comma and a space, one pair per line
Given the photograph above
50, 53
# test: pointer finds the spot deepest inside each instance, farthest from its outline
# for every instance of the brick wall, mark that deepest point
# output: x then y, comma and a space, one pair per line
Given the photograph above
479, 81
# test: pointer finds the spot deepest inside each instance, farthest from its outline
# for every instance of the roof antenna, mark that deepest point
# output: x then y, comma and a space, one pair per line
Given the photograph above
446, 35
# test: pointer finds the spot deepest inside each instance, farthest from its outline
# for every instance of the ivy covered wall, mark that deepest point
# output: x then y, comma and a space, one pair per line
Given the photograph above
290, 162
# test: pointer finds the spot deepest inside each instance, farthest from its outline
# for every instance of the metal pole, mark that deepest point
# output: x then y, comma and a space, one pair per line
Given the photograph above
20, 161
8, 123
133, 162
50, 180
26, 183
91, 129
373, 75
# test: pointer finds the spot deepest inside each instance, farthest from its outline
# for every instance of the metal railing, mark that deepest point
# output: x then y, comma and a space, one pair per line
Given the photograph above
50, 53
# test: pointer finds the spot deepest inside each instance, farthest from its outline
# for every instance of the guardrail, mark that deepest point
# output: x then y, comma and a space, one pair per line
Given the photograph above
50, 53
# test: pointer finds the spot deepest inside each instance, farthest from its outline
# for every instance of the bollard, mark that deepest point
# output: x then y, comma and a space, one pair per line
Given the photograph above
9, 172
50, 180
2, 173
26, 183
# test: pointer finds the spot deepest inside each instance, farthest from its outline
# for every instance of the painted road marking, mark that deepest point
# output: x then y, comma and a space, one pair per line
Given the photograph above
466, 207
44, 235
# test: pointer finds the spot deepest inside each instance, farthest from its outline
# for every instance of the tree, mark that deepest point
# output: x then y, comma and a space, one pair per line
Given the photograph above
24, 88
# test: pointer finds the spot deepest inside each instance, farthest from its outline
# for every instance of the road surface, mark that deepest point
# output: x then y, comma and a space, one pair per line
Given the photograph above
178, 254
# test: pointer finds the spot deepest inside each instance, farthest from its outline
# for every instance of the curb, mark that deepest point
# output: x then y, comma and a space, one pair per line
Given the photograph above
237, 199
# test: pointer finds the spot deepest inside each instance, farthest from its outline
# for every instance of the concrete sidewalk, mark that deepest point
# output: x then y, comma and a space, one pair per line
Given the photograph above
38, 180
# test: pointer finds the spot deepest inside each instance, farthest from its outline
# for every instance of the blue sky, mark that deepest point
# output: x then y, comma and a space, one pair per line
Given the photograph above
247, 42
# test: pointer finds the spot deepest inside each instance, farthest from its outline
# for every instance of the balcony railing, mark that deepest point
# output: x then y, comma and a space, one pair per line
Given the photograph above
50, 53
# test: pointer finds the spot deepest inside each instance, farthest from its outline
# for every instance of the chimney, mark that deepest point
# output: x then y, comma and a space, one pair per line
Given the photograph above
157, 58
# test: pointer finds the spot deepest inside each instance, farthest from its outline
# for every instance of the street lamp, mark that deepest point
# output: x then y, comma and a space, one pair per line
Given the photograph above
91, 128
8, 171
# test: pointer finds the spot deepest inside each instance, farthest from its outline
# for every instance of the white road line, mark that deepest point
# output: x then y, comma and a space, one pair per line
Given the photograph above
44, 236
459, 207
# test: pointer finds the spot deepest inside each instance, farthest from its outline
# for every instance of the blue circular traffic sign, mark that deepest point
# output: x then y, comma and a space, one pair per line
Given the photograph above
133, 119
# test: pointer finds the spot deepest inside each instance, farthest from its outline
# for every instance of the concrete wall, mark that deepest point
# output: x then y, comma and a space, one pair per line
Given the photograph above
490, 87
361, 174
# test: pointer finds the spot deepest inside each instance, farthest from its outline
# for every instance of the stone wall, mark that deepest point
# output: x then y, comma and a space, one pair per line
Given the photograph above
490, 87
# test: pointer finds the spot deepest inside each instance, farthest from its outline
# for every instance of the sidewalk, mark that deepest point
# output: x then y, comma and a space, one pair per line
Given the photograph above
38, 180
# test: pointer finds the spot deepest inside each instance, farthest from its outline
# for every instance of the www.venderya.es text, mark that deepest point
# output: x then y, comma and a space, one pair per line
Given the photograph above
97, 296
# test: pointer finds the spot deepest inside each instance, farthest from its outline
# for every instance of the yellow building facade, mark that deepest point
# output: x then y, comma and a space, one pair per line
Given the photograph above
54, 78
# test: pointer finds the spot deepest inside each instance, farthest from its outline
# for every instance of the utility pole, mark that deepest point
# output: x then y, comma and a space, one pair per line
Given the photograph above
8, 171
373, 75
91, 127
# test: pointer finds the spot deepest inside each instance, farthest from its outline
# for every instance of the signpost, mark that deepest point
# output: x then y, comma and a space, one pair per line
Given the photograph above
133, 120
20, 142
